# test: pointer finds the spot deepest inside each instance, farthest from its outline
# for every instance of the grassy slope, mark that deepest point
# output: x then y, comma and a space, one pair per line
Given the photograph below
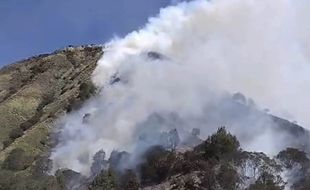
25, 86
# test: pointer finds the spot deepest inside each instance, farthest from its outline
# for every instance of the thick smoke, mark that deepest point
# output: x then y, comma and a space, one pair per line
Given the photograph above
183, 66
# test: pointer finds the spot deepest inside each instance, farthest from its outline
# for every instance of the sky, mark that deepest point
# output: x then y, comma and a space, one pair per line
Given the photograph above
34, 27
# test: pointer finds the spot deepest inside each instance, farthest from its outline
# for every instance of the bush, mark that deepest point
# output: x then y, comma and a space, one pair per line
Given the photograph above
31, 122
119, 160
69, 179
41, 167
16, 133
228, 177
267, 181
238, 97
209, 178
157, 165
292, 157
129, 181
6, 179
7, 143
86, 90
106, 180
17, 160
190, 161
303, 184
46, 99
73, 104
99, 163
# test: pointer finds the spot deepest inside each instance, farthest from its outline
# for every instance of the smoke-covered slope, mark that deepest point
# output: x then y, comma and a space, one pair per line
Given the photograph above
161, 92
187, 62
37, 91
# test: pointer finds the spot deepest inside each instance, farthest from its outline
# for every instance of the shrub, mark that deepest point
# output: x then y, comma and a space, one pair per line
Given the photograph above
73, 104
17, 160
209, 178
7, 143
46, 99
41, 167
303, 184
238, 97
69, 179
31, 122
16, 133
6, 179
195, 132
86, 90
106, 180
228, 177
129, 181
290, 156
118, 160
267, 181
190, 161
157, 165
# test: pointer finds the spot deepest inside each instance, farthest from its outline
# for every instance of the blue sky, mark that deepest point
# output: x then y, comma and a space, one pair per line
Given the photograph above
31, 27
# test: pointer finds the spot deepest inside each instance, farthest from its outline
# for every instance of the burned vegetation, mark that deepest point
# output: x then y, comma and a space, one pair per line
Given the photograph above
216, 163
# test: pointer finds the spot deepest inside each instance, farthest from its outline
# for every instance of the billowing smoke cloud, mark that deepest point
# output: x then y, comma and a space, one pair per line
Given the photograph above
183, 64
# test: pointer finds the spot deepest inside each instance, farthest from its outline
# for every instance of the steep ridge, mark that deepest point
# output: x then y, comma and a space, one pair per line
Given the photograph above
34, 92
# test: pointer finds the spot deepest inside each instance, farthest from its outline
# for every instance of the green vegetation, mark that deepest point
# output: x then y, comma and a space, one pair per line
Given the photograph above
17, 160
14, 134
221, 145
228, 177
106, 180
217, 163
267, 181
291, 156
130, 181
157, 165
86, 90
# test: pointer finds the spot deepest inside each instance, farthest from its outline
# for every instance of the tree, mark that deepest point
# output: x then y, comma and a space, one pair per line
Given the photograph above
238, 97
170, 140
254, 164
221, 145
99, 163
292, 156
195, 132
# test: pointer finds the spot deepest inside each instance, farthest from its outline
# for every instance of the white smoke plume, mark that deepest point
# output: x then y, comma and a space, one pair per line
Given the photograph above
205, 50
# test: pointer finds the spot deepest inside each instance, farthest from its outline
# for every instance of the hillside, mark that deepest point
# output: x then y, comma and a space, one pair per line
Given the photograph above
34, 92
37, 91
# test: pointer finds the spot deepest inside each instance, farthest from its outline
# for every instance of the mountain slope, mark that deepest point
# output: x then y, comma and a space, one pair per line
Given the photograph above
34, 92
37, 91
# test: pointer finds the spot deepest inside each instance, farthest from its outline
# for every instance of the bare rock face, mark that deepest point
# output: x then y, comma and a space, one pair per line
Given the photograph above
35, 91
